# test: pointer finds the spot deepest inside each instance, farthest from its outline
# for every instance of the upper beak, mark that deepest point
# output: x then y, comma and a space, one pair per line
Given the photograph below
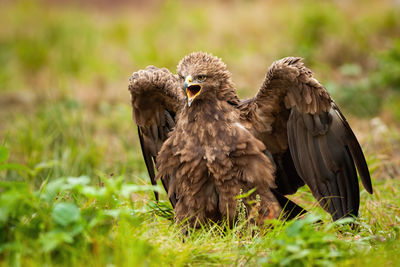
192, 89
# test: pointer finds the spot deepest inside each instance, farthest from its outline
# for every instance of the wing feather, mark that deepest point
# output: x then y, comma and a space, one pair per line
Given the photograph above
322, 146
156, 99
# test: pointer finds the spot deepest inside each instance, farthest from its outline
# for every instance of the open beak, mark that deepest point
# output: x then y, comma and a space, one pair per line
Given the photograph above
192, 89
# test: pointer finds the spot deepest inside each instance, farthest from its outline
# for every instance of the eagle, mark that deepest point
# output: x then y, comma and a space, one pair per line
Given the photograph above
208, 146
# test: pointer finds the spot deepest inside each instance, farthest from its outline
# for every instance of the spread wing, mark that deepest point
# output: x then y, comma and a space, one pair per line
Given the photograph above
308, 137
156, 100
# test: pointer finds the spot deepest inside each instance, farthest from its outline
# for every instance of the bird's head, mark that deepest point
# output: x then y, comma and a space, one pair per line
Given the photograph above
203, 75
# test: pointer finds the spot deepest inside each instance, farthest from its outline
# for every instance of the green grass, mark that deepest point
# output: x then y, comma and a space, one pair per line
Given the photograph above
107, 220
73, 186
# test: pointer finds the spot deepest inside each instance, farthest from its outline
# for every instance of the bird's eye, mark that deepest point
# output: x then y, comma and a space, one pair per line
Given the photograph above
201, 78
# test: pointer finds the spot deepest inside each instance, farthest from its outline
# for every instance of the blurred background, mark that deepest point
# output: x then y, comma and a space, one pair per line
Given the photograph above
64, 69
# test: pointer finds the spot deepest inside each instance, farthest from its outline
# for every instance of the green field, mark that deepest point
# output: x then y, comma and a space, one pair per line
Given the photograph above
73, 185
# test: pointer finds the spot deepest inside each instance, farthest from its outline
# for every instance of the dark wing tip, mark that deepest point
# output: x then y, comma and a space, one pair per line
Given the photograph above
356, 151
148, 161
325, 163
290, 210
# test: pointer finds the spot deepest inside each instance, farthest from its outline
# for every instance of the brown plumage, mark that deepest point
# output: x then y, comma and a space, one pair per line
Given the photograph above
208, 145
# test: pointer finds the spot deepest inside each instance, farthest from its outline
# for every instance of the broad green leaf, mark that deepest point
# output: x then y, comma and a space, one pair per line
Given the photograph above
113, 213
91, 191
295, 228
51, 190
82, 180
53, 239
65, 213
